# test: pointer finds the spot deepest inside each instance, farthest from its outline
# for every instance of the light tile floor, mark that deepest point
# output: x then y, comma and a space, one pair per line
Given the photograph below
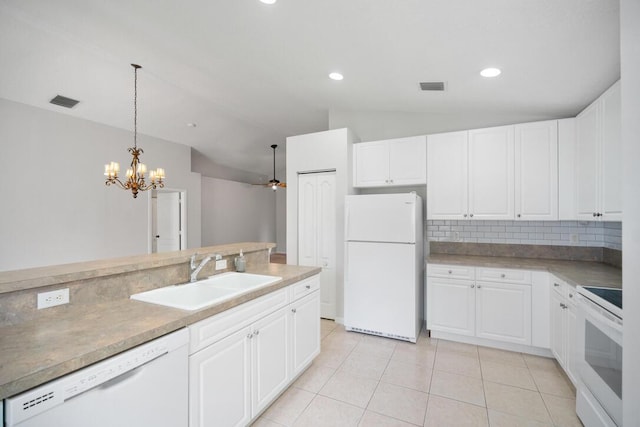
363, 380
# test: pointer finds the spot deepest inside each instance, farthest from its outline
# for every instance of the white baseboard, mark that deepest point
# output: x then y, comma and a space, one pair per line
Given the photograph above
339, 320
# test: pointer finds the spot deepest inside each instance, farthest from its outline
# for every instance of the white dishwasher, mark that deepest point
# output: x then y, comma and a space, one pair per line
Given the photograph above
146, 386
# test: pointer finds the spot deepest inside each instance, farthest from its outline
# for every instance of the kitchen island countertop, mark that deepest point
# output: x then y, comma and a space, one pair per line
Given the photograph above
55, 344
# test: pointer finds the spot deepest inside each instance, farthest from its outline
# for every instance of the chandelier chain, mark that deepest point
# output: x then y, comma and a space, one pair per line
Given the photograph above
135, 107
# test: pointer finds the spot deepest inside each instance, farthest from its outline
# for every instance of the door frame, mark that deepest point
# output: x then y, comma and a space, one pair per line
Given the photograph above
183, 216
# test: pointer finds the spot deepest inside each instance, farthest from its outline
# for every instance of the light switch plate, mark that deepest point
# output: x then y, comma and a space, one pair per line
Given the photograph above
221, 264
53, 298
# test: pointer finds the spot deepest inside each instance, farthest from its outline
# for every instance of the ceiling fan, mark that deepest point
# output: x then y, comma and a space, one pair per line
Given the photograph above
274, 183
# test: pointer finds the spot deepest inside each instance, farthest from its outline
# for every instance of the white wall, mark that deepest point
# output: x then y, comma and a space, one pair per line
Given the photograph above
319, 151
376, 125
237, 212
55, 206
630, 61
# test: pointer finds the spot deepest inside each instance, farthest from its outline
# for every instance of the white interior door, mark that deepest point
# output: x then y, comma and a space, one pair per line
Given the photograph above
167, 222
317, 233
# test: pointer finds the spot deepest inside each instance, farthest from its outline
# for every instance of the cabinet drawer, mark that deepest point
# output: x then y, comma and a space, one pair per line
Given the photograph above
504, 275
559, 286
304, 287
208, 331
451, 271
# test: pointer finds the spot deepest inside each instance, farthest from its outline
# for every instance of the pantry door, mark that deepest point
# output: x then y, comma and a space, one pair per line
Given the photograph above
317, 233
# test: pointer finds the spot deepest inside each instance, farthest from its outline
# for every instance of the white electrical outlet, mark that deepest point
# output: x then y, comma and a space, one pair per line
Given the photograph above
53, 298
221, 264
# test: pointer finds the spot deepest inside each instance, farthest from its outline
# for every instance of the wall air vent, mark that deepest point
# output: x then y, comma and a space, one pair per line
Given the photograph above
438, 86
63, 101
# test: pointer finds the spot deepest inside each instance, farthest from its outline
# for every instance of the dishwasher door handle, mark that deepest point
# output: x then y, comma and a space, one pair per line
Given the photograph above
120, 378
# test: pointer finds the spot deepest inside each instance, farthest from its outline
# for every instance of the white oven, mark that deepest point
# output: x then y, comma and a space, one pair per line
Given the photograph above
599, 357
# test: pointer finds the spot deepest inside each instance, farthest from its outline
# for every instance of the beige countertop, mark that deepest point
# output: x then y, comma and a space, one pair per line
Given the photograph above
37, 351
585, 273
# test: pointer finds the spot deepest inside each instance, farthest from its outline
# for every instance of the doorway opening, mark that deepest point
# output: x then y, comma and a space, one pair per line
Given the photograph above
168, 220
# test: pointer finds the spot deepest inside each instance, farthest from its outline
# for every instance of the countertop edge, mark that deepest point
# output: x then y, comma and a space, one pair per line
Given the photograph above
562, 269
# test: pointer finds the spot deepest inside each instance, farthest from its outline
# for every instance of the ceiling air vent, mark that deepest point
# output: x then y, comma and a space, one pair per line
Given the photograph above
432, 86
63, 101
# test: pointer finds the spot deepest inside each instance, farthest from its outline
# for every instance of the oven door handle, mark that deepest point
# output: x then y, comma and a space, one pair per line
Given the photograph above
599, 314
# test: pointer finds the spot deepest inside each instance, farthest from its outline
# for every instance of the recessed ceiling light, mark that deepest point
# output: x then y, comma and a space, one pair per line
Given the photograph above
336, 76
490, 72
192, 125
268, 1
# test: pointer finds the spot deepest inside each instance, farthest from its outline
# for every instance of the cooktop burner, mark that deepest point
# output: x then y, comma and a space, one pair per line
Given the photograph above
613, 296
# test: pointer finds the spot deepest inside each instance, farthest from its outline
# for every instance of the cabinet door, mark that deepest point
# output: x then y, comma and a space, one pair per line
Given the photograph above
408, 161
536, 171
270, 358
503, 312
326, 233
447, 176
558, 326
307, 220
305, 332
451, 306
587, 165
220, 382
491, 173
611, 185
571, 342
371, 164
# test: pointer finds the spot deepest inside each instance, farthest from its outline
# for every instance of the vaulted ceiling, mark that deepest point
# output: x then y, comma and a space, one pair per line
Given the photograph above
250, 74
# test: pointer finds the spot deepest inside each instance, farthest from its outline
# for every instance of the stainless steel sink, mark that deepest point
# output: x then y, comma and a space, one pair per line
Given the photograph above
203, 293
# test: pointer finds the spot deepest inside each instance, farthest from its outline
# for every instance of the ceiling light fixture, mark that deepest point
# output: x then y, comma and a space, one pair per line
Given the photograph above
135, 174
268, 1
336, 76
274, 183
490, 72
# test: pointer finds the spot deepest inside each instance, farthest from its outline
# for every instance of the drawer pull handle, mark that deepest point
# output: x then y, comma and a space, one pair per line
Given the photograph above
293, 310
479, 286
503, 275
257, 332
249, 336
473, 286
308, 286
563, 305
570, 295
450, 271
556, 285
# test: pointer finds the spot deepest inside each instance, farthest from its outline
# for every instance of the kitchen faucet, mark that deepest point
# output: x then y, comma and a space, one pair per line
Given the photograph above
195, 270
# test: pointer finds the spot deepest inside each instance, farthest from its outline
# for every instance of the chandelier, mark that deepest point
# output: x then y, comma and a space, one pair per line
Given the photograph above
135, 174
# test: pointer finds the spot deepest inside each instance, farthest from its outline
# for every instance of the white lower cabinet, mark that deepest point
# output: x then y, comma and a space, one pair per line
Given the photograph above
305, 332
269, 359
451, 305
220, 382
499, 310
503, 312
563, 327
242, 359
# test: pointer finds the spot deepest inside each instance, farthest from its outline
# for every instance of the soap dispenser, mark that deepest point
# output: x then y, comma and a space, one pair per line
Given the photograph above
240, 263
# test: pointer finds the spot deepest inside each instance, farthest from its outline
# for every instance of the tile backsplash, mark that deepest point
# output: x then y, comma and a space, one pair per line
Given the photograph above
557, 233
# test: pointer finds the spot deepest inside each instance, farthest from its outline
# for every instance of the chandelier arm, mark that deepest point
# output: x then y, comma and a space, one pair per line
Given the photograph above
110, 181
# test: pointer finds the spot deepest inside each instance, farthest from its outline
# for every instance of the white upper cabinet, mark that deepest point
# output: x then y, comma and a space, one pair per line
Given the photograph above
598, 159
491, 173
447, 176
393, 162
499, 173
611, 184
536, 171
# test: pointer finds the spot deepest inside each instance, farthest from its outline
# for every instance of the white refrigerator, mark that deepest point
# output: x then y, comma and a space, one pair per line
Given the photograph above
384, 265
